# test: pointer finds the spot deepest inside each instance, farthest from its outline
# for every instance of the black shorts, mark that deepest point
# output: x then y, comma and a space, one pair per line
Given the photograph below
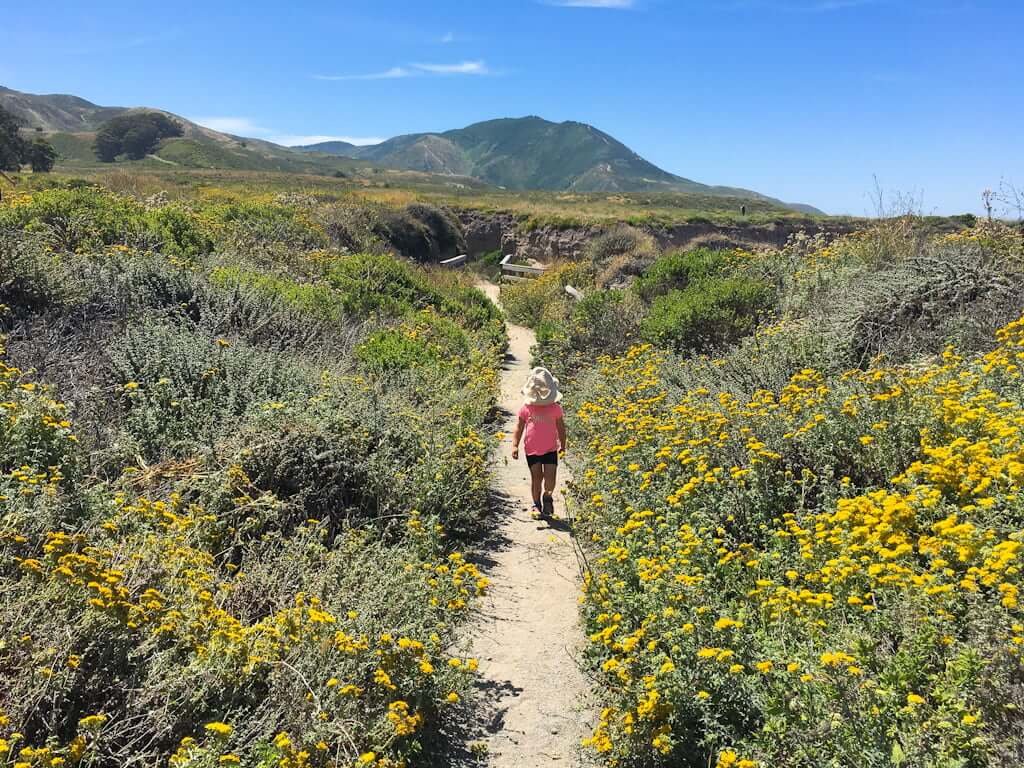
544, 458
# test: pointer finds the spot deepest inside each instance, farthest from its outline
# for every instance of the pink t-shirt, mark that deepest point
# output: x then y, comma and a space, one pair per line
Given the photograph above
541, 428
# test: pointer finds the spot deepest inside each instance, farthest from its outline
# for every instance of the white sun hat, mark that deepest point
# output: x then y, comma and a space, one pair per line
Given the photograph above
541, 388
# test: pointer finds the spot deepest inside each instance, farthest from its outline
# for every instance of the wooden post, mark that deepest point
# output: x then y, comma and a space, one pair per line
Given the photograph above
12, 182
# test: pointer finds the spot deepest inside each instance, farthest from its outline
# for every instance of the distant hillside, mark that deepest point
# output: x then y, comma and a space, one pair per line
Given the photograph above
521, 153
531, 153
71, 124
56, 111
342, 148
527, 153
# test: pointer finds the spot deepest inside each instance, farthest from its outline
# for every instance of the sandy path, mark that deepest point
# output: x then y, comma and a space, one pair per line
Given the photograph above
528, 637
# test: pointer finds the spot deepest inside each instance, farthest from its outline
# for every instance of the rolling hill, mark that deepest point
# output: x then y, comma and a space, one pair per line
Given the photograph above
515, 154
57, 111
70, 124
530, 153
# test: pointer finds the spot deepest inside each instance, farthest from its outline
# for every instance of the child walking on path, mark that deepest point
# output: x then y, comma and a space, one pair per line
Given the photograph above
543, 421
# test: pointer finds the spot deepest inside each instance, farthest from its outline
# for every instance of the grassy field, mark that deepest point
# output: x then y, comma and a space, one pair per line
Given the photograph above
393, 187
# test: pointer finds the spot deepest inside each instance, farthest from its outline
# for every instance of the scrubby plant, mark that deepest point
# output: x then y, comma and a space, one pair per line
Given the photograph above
707, 315
238, 542
602, 323
620, 253
799, 563
544, 299
351, 228
79, 218
678, 270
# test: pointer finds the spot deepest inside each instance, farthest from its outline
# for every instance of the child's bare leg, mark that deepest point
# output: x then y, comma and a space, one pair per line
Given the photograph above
550, 475
536, 481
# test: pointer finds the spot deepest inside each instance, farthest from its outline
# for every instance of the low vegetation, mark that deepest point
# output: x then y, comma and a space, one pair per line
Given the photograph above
245, 450
804, 536
696, 301
241, 451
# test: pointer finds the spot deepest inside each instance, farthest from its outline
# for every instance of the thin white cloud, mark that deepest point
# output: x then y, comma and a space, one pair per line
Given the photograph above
617, 4
389, 74
448, 37
290, 140
416, 70
462, 68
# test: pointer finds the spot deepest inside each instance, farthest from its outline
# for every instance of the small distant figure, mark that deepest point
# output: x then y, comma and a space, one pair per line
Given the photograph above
543, 421
743, 210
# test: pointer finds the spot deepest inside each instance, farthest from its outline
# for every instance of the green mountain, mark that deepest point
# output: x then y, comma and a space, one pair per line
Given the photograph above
522, 153
527, 153
530, 153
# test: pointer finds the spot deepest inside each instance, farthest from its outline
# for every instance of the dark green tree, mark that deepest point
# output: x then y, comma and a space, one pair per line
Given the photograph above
136, 134
41, 156
107, 145
12, 146
140, 141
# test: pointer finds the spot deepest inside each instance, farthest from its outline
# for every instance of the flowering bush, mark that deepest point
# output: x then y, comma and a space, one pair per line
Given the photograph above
236, 542
822, 573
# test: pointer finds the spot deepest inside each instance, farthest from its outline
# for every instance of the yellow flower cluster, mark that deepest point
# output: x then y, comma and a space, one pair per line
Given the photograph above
761, 558
148, 572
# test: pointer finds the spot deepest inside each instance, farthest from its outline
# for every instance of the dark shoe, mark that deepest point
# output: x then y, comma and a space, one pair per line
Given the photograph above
537, 510
549, 505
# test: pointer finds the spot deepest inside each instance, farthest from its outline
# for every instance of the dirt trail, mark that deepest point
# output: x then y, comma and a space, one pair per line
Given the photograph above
528, 638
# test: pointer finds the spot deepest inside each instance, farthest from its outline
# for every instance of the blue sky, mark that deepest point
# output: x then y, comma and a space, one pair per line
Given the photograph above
805, 100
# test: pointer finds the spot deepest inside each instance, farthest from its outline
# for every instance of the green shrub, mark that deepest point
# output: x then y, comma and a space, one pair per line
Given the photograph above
180, 231
31, 277
351, 228
72, 219
393, 349
314, 300
707, 315
424, 343
678, 270
602, 323
83, 217
269, 232
544, 299
371, 283
181, 390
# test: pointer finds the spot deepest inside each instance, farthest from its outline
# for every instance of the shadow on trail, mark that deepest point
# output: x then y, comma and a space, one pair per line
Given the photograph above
554, 524
455, 744
487, 710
